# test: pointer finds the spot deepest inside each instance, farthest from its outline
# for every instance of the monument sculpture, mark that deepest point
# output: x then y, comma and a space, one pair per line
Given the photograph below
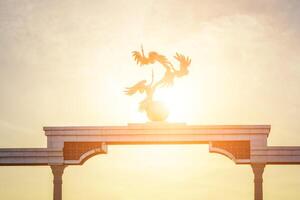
156, 110
74, 145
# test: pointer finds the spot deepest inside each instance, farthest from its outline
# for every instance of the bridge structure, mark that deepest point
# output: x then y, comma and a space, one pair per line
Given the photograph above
67, 146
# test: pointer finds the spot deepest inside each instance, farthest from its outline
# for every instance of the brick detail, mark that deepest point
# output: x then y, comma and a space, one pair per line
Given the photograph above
239, 149
74, 150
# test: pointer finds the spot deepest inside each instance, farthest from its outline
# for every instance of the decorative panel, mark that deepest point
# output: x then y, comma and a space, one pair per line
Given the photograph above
74, 150
239, 149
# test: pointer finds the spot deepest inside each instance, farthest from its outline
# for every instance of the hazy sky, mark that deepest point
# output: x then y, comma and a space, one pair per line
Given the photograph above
67, 62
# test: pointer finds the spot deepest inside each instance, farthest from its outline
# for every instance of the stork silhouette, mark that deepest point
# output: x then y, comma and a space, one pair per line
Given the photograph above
167, 80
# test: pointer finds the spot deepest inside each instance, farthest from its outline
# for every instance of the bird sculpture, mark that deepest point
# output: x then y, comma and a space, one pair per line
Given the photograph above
157, 111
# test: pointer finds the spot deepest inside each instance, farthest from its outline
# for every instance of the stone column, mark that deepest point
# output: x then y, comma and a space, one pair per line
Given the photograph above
258, 170
57, 171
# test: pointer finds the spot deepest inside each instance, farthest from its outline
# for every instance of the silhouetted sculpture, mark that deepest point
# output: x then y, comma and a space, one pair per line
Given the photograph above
157, 111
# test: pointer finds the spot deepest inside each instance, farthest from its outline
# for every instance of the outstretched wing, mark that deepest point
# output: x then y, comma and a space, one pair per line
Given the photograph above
153, 56
184, 64
140, 58
138, 87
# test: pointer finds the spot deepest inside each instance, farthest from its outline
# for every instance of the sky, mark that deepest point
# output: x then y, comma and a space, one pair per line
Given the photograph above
66, 63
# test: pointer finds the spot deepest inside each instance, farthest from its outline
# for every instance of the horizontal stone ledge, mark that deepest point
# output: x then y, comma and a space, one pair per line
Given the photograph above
143, 130
276, 151
28, 149
30, 156
284, 148
144, 126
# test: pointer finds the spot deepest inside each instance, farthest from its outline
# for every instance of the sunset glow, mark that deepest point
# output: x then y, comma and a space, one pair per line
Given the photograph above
68, 63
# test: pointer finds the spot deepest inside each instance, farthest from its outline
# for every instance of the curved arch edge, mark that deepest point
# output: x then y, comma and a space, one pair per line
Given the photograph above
223, 151
87, 155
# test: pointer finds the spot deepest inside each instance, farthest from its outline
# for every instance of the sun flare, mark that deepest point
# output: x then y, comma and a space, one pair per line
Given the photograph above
176, 102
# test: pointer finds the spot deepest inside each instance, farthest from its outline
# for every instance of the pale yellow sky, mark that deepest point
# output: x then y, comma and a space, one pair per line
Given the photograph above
67, 63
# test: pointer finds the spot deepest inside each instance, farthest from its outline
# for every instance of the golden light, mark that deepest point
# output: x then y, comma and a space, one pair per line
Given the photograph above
176, 100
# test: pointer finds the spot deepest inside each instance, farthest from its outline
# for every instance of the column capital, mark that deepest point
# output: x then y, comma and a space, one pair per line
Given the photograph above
258, 169
57, 171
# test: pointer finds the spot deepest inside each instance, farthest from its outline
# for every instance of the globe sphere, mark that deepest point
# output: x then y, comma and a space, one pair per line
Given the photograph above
157, 111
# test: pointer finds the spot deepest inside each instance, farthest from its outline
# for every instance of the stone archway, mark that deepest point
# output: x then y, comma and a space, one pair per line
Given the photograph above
246, 144
78, 152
